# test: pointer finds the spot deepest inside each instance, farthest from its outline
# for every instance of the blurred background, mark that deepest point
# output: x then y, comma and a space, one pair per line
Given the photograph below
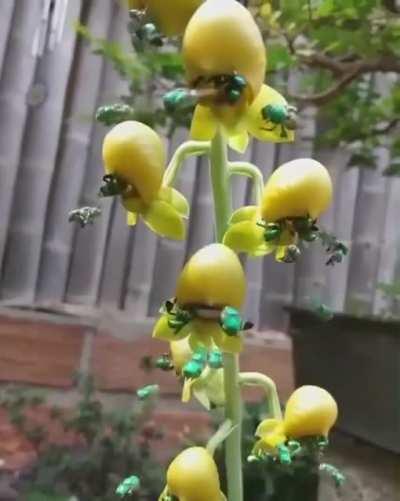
78, 304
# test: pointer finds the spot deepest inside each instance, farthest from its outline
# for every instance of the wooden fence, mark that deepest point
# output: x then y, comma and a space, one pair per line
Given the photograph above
50, 163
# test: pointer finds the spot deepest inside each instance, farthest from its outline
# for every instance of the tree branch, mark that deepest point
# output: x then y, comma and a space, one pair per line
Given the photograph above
324, 97
345, 73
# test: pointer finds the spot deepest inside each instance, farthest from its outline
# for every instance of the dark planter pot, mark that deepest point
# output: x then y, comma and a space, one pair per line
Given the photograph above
295, 488
358, 361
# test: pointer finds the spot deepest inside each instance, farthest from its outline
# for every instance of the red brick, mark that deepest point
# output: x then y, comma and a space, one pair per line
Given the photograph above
180, 428
39, 352
116, 365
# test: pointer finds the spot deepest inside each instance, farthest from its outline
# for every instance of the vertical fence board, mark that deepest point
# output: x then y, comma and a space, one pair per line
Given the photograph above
366, 238
390, 237
171, 254
344, 214
254, 266
85, 272
36, 169
74, 149
14, 86
6, 17
201, 230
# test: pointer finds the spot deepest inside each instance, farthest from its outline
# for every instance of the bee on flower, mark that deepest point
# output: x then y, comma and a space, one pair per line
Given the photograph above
210, 290
295, 195
134, 159
310, 411
208, 387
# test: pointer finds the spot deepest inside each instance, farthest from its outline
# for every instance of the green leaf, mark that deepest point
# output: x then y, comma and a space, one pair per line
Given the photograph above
392, 170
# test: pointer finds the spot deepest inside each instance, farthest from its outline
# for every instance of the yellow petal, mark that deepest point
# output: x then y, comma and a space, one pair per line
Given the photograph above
131, 218
227, 344
187, 390
204, 125
163, 331
280, 252
246, 213
267, 426
196, 341
247, 237
239, 142
175, 198
258, 127
164, 220
271, 432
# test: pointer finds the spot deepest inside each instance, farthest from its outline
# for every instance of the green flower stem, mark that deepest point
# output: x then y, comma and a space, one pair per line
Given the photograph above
219, 436
185, 150
220, 185
233, 444
249, 170
268, 385
233, 407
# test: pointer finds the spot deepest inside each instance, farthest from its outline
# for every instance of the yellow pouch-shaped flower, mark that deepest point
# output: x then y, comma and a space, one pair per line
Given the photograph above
310, 411
135, 154
193, 476
299, 188
222, 38
213, 277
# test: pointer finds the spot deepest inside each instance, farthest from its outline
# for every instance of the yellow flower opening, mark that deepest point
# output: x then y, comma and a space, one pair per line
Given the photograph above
212, 279
193, 476
310, 411
171, 17
134, 156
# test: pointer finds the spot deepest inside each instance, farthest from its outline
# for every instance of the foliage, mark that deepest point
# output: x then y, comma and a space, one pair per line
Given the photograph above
149, 73
391, 296
115, 444
340, 46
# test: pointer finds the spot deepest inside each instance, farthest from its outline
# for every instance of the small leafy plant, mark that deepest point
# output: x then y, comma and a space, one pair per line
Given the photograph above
109, 445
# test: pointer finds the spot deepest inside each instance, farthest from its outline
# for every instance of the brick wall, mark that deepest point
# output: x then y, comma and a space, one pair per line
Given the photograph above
46, 350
